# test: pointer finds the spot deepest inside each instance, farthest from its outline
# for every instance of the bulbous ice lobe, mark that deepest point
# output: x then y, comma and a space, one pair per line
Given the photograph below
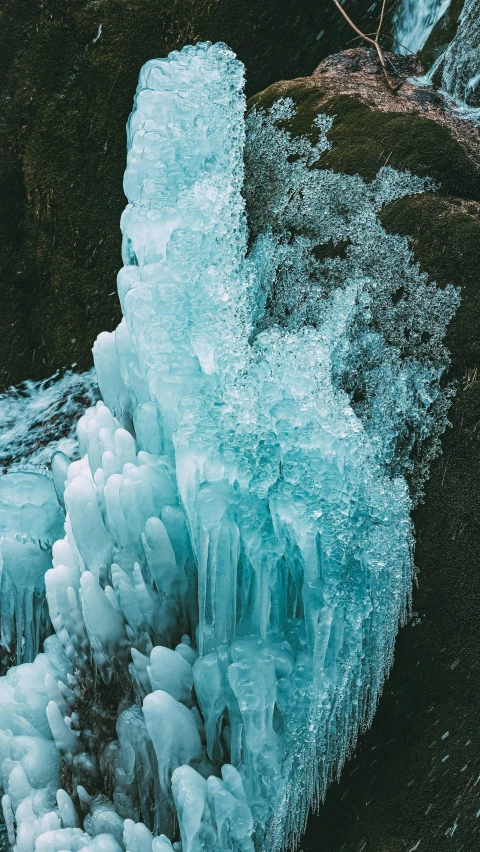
237, 550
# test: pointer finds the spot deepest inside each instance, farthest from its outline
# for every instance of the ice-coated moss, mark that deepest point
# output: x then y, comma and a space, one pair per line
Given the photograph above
445, 236
364, 139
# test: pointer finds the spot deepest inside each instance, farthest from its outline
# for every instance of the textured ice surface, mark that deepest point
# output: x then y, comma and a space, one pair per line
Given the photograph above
30, 522
237, 553
37, 443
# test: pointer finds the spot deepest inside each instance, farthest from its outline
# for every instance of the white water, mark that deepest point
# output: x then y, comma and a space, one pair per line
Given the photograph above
415, 21
38, 418
461, 60
459, 64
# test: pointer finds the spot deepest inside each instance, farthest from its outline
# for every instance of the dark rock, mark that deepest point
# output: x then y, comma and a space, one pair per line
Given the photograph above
430, 96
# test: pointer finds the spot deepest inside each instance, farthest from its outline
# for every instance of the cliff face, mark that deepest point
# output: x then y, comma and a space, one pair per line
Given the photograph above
411, 783
69, 71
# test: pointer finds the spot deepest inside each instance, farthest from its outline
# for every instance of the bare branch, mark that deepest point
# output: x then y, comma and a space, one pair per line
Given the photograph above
380, 23
353, 26
375, 42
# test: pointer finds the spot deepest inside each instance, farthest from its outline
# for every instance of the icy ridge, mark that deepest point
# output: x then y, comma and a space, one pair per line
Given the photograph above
238, 545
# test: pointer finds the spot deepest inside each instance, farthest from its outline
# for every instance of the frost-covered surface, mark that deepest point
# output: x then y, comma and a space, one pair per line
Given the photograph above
320, 233
238, 547
415, 21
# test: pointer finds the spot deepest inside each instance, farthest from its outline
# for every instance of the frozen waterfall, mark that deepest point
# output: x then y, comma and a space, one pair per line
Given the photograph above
237, 546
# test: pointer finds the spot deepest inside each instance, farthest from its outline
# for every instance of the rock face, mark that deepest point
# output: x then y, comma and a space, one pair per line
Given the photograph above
69, 71
412, 780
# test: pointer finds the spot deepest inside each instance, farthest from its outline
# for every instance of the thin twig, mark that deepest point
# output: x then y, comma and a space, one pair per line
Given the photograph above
396, 41
371, 41
380, 23
349, 21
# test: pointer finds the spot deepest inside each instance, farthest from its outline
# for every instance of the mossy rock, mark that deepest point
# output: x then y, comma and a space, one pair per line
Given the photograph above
364, 139
445, 235
411, 782
67, 91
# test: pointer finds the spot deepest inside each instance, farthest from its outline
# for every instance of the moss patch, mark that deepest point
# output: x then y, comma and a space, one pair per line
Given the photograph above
305, 98
446, 242
364, 139
326, 251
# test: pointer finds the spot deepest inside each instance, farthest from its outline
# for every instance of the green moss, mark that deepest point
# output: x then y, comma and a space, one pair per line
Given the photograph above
305, 97
364, 139
324, 251
445, 237
442, 34
266, 99
306, 100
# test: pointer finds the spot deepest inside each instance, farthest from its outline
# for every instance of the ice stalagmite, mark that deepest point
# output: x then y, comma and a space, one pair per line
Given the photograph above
238, 547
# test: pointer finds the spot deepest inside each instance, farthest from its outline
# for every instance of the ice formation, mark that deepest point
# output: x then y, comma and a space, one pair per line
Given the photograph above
37, 424
237, 553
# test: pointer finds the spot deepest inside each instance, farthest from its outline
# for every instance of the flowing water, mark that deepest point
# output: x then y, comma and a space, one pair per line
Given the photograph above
38, 418
415, 21
458, 67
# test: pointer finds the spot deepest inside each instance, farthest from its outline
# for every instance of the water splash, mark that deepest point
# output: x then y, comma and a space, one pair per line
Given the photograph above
458, 67
38, 418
